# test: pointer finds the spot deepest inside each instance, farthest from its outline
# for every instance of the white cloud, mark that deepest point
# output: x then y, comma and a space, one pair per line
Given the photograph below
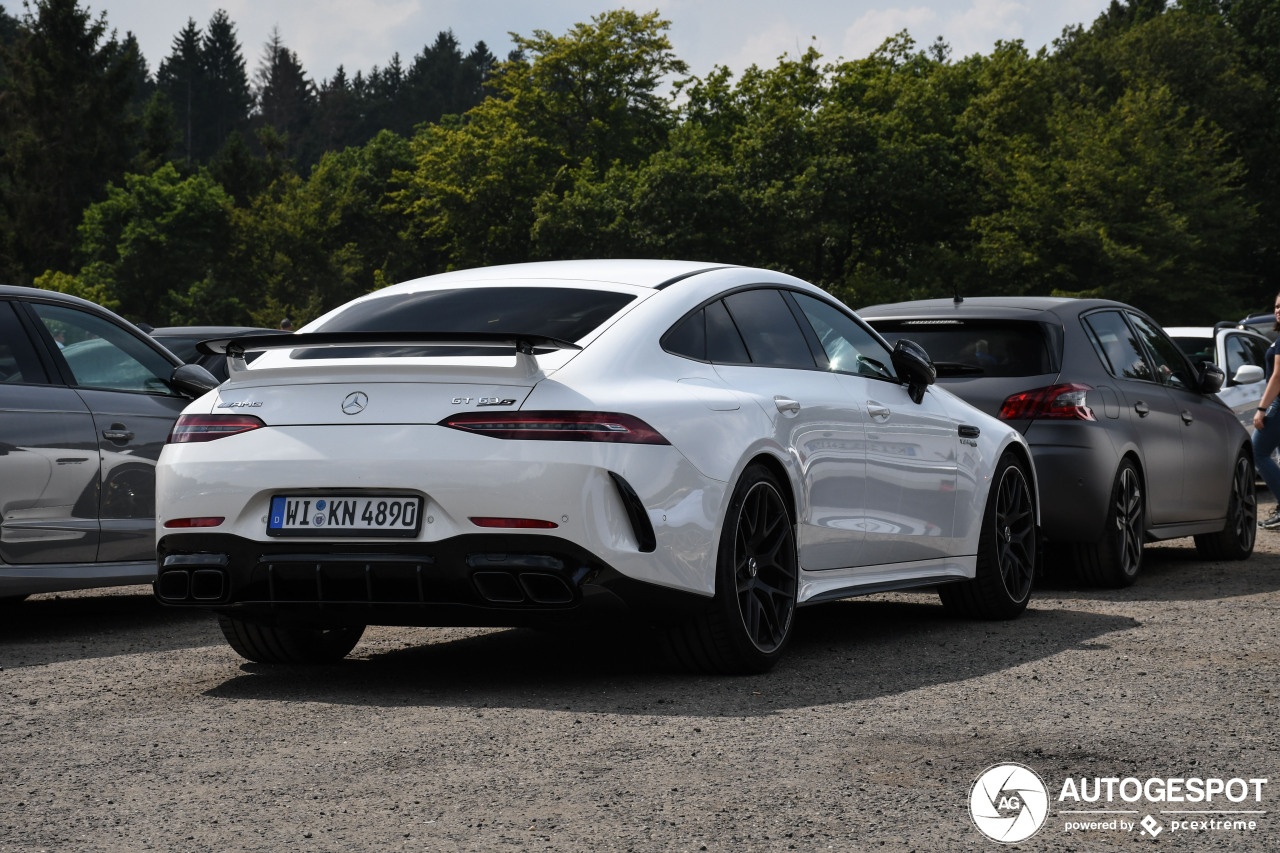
869, 32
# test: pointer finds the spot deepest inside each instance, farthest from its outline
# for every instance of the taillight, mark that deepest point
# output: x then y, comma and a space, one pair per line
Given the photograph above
513, 523
1064, 402
557, 426
208, 427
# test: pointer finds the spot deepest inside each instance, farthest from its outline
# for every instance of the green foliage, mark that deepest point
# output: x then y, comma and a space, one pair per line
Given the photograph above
1134, 160
66, 130
152, 241
308, 246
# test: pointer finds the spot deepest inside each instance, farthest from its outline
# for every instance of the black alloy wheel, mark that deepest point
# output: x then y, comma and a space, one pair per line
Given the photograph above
1007, 552
764, 562
1116, 559
748, 624
306, 646
1236, 539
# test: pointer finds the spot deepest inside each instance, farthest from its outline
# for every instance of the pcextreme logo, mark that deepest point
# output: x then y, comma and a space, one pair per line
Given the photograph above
1009, 803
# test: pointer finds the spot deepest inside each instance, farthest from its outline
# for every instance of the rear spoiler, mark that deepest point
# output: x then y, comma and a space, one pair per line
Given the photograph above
523, 346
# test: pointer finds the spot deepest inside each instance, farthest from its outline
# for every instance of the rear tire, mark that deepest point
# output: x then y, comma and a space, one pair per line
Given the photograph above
1001, 587
1115, 560
748, 624
266, 644
1236, 539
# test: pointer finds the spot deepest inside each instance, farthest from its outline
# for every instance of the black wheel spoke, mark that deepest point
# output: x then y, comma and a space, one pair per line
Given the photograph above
765, 567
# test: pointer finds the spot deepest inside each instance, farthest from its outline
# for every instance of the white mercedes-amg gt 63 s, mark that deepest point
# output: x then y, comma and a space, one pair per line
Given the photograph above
706, 448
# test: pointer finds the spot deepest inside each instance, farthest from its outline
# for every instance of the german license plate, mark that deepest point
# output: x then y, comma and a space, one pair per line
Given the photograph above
345, 515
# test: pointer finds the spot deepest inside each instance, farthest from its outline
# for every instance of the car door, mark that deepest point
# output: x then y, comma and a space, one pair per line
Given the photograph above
48, 457
909, 509
1242, 350
123, 381
1206, 428
757, 345
1155, 417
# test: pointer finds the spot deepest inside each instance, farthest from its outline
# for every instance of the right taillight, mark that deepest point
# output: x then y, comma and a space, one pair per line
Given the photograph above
1063, 402
209, 427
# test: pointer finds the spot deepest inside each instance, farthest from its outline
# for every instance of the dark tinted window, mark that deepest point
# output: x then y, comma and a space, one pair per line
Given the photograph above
769, 329
724, 344
688, 337
1201, 349
977, 347
1116, 345
849, 347
1171, 365
19, 363
103, 355
557, 312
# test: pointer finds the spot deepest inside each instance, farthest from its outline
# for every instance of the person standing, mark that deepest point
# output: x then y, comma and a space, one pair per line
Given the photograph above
1266, 426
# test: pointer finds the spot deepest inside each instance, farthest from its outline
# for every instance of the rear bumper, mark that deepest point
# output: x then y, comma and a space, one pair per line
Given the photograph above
1076, 469
473, 580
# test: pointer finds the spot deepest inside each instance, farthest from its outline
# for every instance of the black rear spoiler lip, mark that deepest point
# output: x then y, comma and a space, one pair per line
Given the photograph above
519, 343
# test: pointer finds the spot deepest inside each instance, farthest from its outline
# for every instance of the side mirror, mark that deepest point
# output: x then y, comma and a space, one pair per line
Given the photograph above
1247, 375
912, 363
1211, 378
192, 380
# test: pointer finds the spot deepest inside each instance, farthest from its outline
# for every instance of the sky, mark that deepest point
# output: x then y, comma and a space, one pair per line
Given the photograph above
361, 34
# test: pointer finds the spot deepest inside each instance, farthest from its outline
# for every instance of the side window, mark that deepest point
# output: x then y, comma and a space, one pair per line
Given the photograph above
688, 337
1116, 345
769, 329
724, 343
1171, 365
849, 347
19, 364
1257, 351
103, 355
1238, 354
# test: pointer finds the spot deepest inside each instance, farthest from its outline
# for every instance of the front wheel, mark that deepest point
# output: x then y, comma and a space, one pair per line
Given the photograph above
1235, 540
269, 644
1116, 559
1001, 587
748, 624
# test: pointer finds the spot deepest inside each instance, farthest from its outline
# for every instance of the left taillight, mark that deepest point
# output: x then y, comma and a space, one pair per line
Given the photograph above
557, 426
209, 427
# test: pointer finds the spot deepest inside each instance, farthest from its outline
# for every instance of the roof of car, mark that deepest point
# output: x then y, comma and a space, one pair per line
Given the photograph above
1206, 331
211, 331
995, 307
636, 273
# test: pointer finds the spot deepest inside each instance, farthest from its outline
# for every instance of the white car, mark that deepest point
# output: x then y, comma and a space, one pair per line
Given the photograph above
703, 447
1241, 355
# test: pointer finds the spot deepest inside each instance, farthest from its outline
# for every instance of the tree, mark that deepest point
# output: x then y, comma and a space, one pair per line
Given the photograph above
581, 102
316, 243
181, 77
67, 131
228, 99
286, 98
153, 239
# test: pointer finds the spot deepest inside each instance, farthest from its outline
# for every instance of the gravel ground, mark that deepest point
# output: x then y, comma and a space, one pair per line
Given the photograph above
127, 727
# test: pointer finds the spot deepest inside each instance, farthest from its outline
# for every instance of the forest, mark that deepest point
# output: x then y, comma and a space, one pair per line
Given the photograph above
1136, 158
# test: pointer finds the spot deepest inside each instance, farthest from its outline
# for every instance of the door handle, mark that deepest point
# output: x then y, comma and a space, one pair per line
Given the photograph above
1187, 417
787, 406
1142, 409
119, 433
878, 411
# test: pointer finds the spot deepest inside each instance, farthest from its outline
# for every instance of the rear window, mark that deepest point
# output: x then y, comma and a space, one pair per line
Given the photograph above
976, 347
569, 314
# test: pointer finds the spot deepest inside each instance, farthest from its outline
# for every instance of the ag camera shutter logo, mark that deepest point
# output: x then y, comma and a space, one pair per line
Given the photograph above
1008, 803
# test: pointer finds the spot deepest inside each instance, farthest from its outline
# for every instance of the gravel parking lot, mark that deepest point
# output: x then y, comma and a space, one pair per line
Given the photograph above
130, 727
